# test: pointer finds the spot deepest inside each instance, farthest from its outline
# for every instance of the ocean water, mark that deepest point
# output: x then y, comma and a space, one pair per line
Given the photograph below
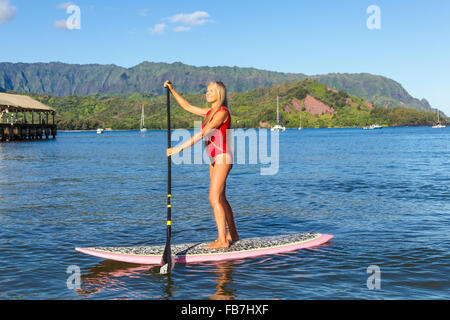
383, 194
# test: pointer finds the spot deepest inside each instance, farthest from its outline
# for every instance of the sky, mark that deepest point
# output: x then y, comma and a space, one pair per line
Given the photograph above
405, 40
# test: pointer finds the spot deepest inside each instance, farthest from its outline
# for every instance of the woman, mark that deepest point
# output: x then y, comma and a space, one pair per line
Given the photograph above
214, 129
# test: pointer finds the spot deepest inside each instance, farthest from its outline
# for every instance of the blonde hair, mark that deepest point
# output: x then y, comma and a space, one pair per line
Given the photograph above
222, 99
222, 93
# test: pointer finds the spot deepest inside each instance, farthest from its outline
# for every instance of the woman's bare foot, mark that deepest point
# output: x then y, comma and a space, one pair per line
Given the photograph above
230, 238
218, 245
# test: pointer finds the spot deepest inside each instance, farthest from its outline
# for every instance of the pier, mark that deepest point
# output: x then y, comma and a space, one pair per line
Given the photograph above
23, 118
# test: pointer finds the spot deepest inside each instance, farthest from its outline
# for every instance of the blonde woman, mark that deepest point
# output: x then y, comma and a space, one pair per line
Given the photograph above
217, 120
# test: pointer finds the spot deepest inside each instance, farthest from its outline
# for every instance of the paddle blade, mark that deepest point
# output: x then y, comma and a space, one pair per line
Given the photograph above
168, 261
166, 269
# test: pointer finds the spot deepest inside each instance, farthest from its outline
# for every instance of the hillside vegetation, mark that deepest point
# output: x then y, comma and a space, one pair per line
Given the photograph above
301, 103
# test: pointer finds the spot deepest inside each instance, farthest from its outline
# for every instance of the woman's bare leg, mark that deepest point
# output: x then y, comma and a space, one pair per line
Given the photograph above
232, 234
218, 175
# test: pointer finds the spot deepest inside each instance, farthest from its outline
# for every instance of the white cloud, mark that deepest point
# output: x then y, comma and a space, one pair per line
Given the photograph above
184, 20
144, 12
65, 5
158, 28
196, 18
7, 11
61, 24
181, 28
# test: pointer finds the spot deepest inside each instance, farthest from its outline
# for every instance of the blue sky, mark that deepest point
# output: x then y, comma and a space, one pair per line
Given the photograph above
412, 45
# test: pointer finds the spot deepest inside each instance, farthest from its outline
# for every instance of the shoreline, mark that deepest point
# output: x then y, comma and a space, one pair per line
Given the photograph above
293, 128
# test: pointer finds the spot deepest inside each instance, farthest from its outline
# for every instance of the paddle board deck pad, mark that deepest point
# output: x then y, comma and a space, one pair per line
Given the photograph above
195, 252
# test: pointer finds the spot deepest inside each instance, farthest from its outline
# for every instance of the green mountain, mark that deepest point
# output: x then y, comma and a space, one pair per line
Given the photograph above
307, 103
60, 79
378, 90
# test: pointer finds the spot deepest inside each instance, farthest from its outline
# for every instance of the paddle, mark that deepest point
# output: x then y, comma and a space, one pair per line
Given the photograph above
167, 258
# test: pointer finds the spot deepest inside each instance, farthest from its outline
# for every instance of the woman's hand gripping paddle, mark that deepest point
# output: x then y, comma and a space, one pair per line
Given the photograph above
168, 261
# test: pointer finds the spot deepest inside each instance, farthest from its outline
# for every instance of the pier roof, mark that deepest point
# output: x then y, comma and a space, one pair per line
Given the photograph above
19, 102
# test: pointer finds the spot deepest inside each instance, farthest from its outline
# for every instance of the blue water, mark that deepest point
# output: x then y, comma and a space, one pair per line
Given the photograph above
383, 194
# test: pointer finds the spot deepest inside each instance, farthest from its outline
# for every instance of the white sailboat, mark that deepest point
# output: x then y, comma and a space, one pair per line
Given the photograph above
278, 127
99, 130
143, 128
300, 128
438, 125
372, 127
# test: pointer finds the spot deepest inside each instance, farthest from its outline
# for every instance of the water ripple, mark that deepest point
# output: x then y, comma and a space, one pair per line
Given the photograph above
384, 196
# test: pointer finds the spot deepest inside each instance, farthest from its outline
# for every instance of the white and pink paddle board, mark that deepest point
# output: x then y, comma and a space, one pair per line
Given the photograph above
195, 252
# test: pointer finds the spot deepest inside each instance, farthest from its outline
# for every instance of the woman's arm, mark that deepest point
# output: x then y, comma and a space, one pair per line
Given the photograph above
215, 123
184, 104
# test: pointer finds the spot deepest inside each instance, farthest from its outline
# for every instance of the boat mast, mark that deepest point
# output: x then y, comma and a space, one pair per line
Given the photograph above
278, 118
142, 117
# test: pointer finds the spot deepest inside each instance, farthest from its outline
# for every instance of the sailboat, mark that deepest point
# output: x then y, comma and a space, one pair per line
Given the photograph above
300, 128
143, 128
372, 126
438, 125
278, 127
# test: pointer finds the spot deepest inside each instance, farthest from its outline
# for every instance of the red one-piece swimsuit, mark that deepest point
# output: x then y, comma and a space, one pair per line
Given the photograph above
217, 143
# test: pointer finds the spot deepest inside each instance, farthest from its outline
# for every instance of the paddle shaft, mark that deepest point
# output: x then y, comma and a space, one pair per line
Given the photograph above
169, 171
166, 259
